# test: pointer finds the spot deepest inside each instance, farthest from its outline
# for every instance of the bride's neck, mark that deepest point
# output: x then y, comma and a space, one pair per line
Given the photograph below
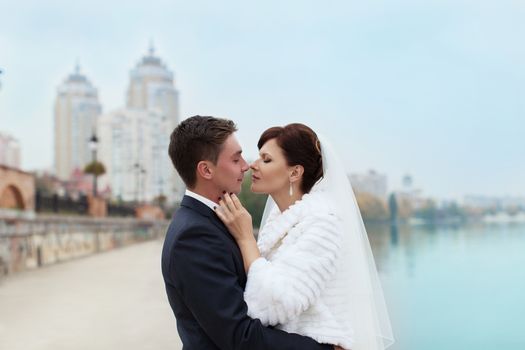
284, 200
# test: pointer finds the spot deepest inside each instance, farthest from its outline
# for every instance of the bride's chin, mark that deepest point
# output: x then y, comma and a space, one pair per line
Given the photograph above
255, 190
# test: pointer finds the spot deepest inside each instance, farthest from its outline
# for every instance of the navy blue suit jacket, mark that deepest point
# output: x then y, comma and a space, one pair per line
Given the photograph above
204, 276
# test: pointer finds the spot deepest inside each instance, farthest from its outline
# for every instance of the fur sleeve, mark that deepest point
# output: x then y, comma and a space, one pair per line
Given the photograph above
281, 289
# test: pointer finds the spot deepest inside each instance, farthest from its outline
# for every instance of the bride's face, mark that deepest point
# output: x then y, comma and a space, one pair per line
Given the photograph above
270, 173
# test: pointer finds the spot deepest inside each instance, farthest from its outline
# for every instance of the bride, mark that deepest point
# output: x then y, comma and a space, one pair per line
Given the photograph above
311, 271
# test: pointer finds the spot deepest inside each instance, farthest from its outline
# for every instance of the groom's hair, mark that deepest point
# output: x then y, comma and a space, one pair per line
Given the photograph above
195, 139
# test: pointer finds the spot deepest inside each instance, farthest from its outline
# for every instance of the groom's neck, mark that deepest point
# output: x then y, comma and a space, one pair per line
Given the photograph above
212, 194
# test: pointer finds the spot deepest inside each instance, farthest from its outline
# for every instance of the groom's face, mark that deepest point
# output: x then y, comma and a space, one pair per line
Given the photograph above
229, 171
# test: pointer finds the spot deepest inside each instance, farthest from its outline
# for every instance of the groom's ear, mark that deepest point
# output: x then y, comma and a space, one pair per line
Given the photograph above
204, 170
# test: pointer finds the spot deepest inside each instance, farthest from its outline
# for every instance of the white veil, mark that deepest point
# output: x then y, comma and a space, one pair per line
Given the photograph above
370, 321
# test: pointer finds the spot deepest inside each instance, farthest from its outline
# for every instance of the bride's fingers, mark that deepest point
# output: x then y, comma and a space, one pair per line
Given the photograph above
236, 201
220, 214
223, 212
229, 202
224, 207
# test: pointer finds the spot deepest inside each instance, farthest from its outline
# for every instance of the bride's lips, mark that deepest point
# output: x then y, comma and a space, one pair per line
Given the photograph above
255, 178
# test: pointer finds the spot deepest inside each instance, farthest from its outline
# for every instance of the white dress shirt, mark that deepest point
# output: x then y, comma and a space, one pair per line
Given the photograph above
210, 204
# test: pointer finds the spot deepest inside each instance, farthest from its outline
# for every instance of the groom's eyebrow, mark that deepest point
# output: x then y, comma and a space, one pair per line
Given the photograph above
238, 153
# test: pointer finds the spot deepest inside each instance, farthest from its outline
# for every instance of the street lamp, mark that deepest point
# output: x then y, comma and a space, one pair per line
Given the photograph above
139, 169
93, 144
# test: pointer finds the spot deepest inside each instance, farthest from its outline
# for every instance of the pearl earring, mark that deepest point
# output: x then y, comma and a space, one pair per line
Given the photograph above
291, 189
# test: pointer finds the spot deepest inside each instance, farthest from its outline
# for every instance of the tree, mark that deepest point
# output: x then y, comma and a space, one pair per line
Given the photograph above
95, 168
372, 208
428, 212
404, 208
160, 200
253, 202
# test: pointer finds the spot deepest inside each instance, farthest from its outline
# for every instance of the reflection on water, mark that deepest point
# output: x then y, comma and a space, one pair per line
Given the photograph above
453, 287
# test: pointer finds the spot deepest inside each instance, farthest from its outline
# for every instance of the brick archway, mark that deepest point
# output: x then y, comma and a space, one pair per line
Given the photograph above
17, 189
11, 198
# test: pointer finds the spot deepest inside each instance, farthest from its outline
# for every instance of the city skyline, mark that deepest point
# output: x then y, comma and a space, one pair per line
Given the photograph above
76, 111
134, 139
431, 90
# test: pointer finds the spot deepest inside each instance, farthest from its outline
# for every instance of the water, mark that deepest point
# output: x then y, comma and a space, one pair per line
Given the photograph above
453, 288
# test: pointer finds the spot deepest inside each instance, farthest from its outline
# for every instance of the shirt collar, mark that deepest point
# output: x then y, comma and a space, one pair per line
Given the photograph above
210, 204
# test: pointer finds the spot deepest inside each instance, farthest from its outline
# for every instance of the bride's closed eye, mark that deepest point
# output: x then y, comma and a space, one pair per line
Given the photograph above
265, 159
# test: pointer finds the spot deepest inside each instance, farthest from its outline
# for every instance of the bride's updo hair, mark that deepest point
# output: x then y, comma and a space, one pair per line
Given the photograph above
300, 146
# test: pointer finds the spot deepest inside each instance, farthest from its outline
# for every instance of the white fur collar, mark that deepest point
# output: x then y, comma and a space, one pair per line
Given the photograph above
279, 224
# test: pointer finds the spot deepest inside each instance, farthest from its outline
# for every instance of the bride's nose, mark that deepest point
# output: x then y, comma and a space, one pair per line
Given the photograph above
253, 166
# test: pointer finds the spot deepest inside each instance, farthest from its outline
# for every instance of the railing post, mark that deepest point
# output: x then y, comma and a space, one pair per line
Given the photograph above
55, 203
38, 201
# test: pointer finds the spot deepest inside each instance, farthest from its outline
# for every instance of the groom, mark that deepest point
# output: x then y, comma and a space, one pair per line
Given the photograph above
201, 264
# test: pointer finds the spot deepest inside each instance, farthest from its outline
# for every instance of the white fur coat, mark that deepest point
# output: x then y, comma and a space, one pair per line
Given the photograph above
297, 284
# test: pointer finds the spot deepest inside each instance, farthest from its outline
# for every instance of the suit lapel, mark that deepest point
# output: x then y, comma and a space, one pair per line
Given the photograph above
204, 210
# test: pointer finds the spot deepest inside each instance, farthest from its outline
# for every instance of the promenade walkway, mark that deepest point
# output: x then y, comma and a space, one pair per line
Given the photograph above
113, 300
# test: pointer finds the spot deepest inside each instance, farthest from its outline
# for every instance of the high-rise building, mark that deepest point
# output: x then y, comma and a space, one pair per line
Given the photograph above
134, 140
9, 151
152, 87
76, 111
410, 194
371, 182
133, 147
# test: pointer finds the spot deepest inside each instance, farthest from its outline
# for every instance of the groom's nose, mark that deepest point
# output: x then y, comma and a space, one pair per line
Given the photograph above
245, 166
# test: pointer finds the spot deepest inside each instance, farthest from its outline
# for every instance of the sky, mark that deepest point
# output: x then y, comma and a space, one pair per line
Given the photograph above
434, 89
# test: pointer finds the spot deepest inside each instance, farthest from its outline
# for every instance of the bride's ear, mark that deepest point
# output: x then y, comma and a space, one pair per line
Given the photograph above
204, 170
297, 173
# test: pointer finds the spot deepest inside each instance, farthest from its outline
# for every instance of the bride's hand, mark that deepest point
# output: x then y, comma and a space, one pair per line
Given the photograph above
235, 217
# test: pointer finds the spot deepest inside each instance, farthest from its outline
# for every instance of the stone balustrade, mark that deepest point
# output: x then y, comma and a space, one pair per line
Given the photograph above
44, 240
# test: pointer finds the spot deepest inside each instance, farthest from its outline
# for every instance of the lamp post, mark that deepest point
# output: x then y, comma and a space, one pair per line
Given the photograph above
93, 144
139, 170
